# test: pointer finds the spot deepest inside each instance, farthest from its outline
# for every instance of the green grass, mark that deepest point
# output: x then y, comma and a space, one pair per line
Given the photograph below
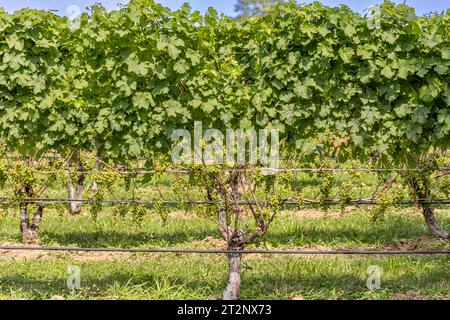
200, 277
158, 276
288, 229
41, 275
364, 187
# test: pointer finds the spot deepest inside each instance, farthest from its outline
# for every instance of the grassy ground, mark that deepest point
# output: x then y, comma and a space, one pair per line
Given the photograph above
40, 275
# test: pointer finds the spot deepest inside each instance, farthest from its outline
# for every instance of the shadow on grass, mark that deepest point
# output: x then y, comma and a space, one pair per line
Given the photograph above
257, 284
124, 239
285, 231
391, 231
119, 284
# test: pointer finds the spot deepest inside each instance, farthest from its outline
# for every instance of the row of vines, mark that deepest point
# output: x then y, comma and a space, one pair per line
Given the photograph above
109, 88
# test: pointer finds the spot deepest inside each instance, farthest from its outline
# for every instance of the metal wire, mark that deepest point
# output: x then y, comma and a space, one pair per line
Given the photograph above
5, 200
142, 171
272, 252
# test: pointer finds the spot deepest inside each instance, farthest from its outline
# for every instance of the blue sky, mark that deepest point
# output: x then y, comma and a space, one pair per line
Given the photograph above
224, 6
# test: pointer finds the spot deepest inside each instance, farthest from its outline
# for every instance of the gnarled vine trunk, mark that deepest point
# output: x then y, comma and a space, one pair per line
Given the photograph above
435, 228
421, 184
233, 227
30, 231
233, 288
94, 185
76, 192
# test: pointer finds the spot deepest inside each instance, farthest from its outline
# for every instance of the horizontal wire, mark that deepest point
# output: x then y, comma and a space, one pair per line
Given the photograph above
285, 252
275, 170
6, 200
266, 170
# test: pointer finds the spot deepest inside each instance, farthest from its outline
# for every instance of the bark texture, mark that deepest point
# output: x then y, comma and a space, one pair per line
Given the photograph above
233, 288
76, 192
432, 224
30, 231
94, 185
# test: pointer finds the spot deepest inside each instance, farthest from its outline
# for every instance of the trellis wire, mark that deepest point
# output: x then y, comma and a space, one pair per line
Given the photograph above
6, 200
272, 252
262, 169
267, 170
